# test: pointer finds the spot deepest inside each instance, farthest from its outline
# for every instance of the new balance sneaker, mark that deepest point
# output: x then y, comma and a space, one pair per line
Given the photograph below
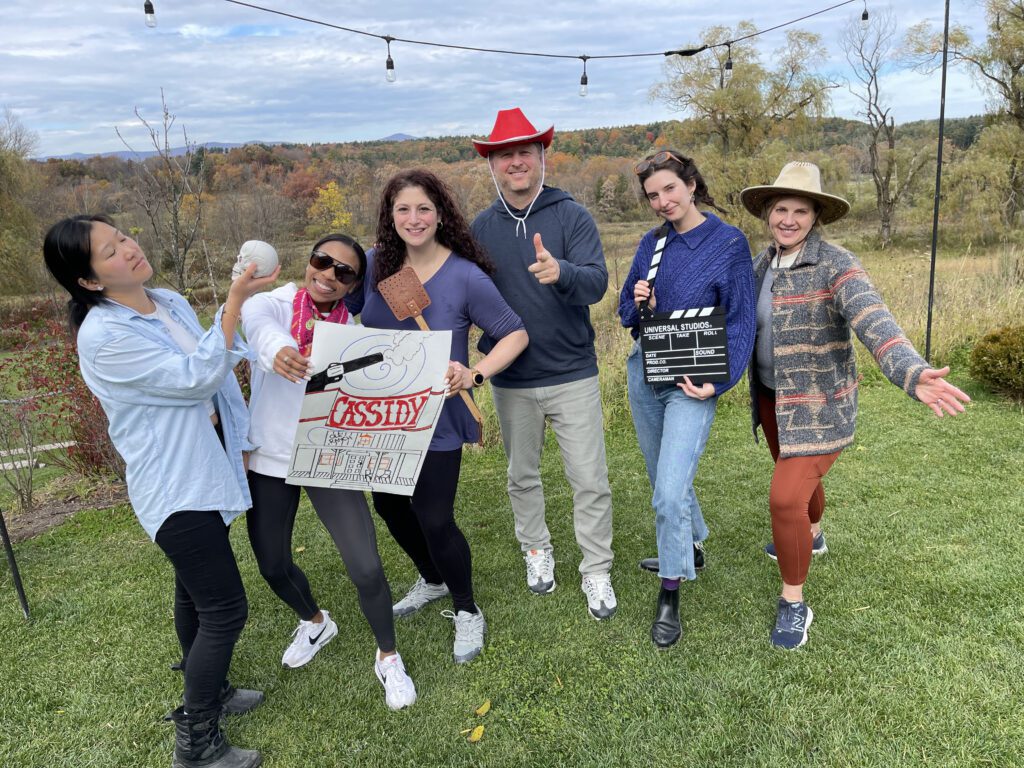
469, 634
600, 595
399, 690
540, 571
307, 640
818, 546
418, 596
791, 623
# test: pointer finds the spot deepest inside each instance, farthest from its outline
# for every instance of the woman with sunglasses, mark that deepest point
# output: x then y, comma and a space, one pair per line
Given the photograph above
177, 418
419, 225
705, 262
279, 328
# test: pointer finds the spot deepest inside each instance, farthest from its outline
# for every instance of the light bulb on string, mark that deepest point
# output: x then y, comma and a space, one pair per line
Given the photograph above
389, 65
864, 16
584, 89
728, 62
147, 8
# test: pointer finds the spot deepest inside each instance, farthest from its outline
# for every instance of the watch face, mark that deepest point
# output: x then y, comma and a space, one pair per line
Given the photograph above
478, 378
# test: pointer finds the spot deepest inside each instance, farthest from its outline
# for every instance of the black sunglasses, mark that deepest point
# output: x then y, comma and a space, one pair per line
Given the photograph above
343, 273
658, 159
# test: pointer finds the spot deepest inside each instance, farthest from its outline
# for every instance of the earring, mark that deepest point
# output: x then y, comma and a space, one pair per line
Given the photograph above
440, 224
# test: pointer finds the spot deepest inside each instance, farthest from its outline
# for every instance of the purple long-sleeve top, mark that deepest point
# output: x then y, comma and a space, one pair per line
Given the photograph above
708, 266
461, 295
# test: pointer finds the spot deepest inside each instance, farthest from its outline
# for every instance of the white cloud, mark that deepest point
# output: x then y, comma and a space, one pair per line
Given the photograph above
234, 74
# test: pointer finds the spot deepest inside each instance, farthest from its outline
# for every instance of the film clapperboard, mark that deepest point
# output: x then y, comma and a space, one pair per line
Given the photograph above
686, 342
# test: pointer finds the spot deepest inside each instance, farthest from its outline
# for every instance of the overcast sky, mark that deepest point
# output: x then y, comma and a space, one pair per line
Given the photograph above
73, 70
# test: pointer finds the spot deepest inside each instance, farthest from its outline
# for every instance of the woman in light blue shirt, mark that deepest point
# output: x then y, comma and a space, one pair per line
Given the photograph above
177, 417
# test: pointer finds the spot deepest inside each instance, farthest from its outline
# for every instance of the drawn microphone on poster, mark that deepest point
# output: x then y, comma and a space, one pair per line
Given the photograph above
370, 409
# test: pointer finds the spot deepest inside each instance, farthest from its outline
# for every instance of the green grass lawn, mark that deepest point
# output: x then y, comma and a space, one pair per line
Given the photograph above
915, 656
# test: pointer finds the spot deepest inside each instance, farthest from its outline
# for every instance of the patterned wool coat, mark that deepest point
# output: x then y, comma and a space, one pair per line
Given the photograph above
815, 305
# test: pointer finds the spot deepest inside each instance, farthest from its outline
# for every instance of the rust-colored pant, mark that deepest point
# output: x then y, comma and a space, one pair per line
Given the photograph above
796, 498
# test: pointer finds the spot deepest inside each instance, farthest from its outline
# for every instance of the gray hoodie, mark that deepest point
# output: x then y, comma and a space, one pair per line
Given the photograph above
557, 316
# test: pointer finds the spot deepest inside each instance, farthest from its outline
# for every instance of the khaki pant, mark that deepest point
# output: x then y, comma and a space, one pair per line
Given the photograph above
574, 410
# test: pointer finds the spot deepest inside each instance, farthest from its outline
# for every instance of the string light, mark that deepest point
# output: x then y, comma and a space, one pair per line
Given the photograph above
584, 85
147, 8
728, 62
389, 65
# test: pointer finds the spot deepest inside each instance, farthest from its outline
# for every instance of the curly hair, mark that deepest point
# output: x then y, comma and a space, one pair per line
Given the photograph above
452, 230
686, 170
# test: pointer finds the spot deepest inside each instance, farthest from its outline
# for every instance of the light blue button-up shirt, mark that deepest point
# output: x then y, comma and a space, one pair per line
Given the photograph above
155, 397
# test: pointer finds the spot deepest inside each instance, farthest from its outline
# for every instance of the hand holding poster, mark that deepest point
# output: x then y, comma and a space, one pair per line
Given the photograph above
370, 410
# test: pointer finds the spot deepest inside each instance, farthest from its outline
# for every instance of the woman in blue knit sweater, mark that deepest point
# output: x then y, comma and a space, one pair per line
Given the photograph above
705, 263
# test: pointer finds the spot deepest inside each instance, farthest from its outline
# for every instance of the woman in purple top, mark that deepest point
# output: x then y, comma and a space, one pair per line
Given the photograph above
419, 225
705, 262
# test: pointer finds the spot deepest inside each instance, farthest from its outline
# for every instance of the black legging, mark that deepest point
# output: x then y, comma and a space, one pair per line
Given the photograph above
210, 608
346, 517
424, 526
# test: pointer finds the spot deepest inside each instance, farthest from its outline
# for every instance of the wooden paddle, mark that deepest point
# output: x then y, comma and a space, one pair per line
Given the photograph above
406, 297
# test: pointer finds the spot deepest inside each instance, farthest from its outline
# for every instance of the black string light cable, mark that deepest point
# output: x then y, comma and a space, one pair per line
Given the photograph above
584, 82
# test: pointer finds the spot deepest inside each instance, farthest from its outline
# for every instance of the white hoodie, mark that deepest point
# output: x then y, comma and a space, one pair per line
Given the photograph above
275, 402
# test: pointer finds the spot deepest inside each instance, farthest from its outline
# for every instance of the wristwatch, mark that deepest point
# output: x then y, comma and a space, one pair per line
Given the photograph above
478, 378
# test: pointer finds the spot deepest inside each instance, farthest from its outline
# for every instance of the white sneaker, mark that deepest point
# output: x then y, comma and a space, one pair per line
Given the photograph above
418, 596
469, 634
600, 595
540, 571
399, 690
307, 640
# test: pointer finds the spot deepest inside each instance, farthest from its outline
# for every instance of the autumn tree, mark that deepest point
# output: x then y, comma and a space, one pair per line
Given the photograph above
169, 189
742, 108
329, 213
870, 50
998, 64
18, 225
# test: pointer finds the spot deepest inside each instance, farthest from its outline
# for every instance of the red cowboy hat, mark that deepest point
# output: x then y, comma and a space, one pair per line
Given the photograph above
510, 128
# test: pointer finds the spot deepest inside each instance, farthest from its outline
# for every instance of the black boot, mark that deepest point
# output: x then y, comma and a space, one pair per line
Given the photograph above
238, 701
665, 630
233, 701
653, 564
200, 743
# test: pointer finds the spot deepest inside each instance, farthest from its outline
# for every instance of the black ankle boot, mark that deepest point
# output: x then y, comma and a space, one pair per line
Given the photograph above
200, 743
238, 701
665, 630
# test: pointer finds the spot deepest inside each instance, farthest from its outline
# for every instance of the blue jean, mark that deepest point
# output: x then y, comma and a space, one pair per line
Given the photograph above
672, 429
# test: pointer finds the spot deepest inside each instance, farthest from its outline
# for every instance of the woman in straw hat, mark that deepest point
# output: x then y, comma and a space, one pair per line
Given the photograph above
701, 262
803, 378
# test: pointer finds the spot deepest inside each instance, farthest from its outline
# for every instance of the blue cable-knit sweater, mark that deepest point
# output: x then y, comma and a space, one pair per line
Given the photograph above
709, 265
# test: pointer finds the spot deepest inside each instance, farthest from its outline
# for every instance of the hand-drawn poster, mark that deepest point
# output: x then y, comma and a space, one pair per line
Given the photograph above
370, 409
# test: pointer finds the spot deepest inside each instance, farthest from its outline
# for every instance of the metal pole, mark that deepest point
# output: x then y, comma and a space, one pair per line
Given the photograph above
938, 189
14, 565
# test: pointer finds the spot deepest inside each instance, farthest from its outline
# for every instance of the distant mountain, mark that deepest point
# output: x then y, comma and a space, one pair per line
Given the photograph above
127, 155
399, 137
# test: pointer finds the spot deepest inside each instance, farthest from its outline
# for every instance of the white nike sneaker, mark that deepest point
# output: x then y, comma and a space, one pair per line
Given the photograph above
600, 596
399, 690
307, 640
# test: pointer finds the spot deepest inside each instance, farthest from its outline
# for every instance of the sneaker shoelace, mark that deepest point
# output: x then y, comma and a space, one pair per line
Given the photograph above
536, 565
598, 588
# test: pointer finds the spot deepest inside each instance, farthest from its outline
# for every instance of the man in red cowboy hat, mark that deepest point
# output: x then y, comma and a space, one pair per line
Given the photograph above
550, 269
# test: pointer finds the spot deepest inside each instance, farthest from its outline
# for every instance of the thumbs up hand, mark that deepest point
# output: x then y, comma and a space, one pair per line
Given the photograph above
545, 268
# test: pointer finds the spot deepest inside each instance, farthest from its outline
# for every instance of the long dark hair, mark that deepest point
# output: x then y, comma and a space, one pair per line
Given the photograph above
686, 170
67, 252
452, 230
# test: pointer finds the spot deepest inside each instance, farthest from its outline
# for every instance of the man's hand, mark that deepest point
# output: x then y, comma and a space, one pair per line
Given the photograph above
546, 268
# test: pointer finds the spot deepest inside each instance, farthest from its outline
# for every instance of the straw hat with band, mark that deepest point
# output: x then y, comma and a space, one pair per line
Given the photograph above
798, 179
511, 128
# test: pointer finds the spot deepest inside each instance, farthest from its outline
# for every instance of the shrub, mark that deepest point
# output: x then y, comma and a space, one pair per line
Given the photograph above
998, 361
44, 371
